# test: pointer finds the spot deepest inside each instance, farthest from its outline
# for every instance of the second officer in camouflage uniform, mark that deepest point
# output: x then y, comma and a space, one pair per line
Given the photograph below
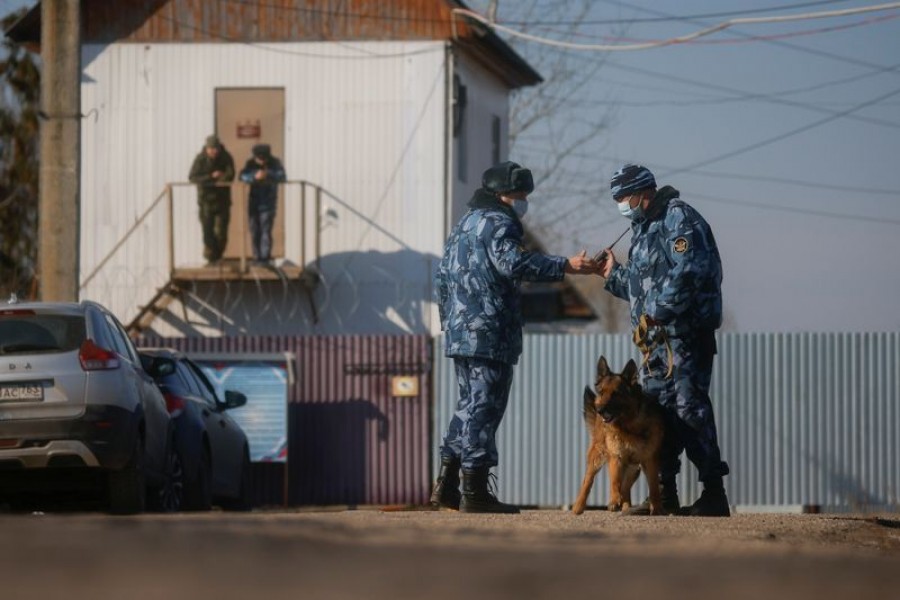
477, 286
673, 282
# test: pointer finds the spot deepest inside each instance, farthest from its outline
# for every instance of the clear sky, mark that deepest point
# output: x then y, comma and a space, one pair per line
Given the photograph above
785, 137
804, 200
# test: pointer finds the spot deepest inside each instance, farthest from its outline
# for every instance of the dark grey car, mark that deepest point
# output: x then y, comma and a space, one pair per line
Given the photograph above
214, 449
76, 401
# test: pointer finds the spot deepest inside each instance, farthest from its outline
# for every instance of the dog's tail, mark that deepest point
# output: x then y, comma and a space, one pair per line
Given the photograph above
589, 412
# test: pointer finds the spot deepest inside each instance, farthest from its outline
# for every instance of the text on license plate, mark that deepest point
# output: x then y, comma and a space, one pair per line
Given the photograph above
21, 391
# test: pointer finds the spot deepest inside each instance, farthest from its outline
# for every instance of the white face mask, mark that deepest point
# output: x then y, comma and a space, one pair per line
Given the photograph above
627, 211
521, 207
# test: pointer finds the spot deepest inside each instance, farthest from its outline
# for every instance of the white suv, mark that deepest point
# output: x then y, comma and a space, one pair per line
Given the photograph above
76, 405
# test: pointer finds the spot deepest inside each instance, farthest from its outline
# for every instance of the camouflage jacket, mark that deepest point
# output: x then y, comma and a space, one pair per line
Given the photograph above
201, 173
674, 273
477, 281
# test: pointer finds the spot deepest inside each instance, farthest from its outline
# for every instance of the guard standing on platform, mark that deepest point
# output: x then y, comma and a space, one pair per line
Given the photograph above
263, 172
213, 171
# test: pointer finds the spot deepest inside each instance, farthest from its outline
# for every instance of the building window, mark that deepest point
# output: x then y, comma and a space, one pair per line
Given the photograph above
495, 140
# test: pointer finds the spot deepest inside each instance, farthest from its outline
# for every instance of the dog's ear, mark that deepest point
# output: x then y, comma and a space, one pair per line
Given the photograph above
602, 367
589, 397
630, 372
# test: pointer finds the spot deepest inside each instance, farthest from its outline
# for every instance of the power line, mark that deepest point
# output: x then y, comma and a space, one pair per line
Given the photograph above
744, 39
746, 96
783, 136
803, 211
766, 97
780, 44
671, 41
727, 175
670, 19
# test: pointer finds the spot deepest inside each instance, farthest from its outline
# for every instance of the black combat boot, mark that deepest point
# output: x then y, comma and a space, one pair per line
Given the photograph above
712, 502
446, 489
670, 503
477, 498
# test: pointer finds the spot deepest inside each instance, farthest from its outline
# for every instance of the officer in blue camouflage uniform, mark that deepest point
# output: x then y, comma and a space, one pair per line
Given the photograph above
477, 286
673, 282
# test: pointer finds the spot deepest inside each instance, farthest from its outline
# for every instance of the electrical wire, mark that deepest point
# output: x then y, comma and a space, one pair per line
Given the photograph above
803, 211
763, 97
779, 43
747, 38
783, 136
673, 18
856, 189
671, 41
749, 97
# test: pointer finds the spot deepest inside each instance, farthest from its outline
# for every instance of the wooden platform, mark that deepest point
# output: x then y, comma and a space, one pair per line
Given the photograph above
230, 270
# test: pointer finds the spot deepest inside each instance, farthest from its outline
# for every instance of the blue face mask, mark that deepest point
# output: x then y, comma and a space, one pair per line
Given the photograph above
627, 211
520, 207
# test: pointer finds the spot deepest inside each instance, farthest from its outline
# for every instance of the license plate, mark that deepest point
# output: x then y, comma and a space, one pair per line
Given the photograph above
10, 392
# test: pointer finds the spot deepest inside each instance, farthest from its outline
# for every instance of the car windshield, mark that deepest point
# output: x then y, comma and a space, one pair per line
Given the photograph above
40, 333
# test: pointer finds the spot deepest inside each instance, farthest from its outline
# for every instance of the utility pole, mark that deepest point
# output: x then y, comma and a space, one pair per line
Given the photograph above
60, 152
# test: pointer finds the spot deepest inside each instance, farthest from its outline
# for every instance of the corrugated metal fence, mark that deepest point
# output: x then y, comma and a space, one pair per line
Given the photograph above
805, 419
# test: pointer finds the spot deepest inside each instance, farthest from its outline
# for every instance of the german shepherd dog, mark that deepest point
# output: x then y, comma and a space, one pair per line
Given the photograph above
626, 429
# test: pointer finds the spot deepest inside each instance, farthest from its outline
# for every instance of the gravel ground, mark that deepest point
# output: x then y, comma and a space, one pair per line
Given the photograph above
375, 554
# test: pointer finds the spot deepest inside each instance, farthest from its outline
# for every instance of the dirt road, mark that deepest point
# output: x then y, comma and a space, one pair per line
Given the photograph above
377, 555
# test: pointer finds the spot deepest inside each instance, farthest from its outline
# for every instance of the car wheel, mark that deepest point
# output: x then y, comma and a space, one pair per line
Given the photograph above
127, 486
168, 497
242, 502
198, 491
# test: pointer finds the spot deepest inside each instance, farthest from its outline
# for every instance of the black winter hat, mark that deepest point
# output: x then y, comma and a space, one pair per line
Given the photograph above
507, 177
262, 150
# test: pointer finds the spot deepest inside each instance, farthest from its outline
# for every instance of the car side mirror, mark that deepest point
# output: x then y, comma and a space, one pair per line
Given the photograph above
234, 399
158, 366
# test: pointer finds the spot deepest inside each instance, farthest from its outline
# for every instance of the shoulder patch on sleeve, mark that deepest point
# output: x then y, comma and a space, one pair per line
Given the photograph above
680, 246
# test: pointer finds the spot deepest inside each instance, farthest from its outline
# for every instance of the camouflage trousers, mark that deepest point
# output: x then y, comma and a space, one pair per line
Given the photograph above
215, 215
483, 394
690, 422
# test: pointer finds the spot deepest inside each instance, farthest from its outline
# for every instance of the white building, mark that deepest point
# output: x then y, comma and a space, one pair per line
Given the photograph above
390, 111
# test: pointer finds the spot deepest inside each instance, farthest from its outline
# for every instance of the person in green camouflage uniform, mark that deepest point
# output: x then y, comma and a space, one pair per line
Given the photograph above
212, 168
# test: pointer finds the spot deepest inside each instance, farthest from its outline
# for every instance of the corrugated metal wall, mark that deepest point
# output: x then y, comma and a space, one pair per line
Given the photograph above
350, 441
803, 419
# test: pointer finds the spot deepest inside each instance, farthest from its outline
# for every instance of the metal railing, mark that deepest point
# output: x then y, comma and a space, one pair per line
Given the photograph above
168, 194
